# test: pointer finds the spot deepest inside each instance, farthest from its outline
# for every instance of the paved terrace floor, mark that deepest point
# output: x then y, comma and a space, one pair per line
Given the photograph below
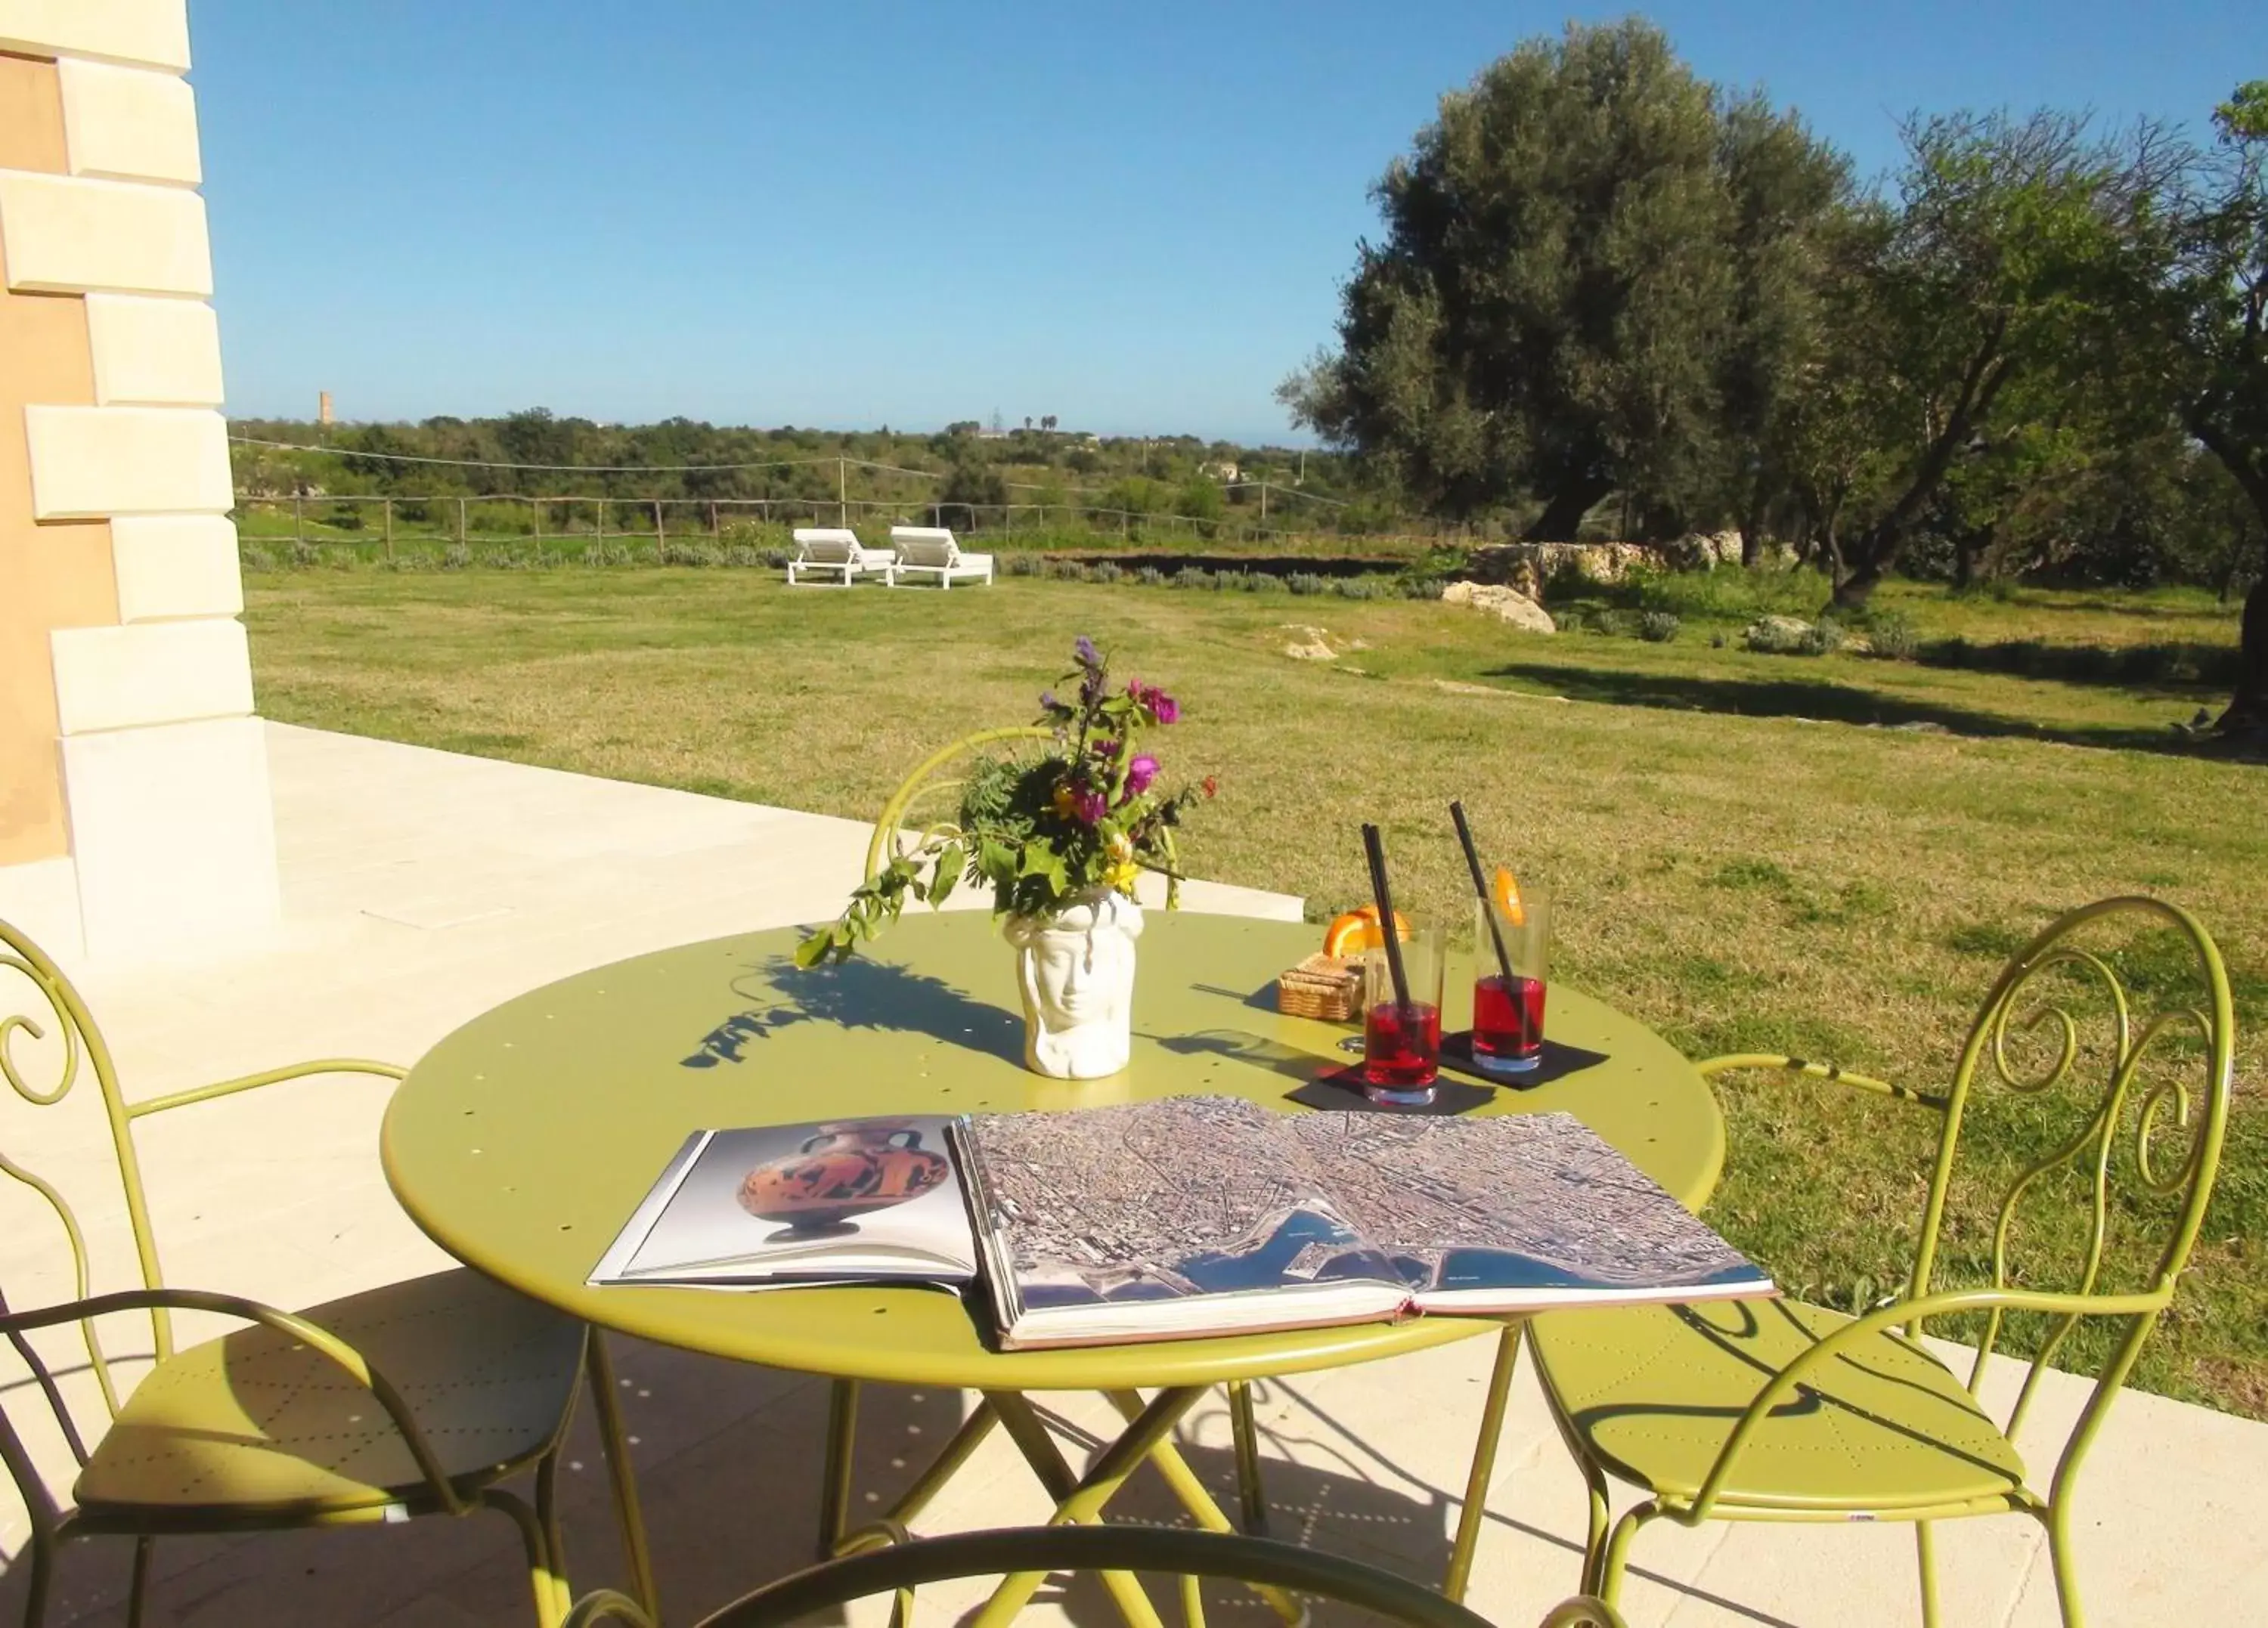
421, 888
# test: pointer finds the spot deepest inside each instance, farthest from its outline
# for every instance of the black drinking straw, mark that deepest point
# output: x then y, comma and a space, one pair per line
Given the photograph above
1480, 890
1384, 897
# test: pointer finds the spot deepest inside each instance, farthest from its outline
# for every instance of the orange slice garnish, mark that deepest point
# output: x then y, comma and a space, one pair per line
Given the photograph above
1357, 930
1507, 898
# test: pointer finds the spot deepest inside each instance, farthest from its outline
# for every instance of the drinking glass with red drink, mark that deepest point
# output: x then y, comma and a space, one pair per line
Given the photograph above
1401, 1038
1508, 1011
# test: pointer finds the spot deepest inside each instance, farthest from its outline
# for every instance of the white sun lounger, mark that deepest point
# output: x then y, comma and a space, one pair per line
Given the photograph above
832, 551
930, 551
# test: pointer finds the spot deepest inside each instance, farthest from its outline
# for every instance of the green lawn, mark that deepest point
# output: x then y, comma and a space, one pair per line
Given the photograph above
1829, 856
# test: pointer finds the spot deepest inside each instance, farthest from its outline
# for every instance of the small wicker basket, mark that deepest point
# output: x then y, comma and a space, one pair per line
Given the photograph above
1320, 986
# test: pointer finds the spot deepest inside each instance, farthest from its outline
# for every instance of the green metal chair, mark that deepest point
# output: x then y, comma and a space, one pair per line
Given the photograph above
1787, 1412
417, 1398
883, 1566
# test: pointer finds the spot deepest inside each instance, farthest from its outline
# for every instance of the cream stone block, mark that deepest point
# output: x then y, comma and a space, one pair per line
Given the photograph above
90, 463
173, 836
153, 352
156, 673
153, 33
41, 900
130, 123
73, 234
175, 565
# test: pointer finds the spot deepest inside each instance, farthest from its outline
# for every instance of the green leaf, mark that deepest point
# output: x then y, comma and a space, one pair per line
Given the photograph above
948, 874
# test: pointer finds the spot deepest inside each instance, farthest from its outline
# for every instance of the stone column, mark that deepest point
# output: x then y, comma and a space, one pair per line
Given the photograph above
135, 817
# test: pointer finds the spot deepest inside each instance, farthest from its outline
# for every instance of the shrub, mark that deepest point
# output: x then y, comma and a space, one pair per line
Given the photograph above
1306, 583
601, 553
1190, 576
1361, 588
1891, 635
254, 557
1420, 587
456, 557
1151, 577
301, 555
1021, 565
1103, 571
1658, 627
1824, 638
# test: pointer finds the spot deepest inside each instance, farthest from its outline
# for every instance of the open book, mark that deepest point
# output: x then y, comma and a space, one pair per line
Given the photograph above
1199, 1215
856, 1201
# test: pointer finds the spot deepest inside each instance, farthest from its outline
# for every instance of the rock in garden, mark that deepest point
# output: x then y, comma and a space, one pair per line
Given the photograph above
1777, 635
1509, 604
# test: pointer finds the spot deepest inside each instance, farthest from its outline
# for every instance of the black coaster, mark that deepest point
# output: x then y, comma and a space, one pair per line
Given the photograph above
1341, 1089
1557, 1063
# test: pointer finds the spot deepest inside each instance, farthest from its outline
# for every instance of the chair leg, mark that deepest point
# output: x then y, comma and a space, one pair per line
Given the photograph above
622, 1476
1925, 1559
43, 1566
543, 1580
1594, 1540
2066, 1567
1251, 1492
1611, 1575
137, 1591
546, 1516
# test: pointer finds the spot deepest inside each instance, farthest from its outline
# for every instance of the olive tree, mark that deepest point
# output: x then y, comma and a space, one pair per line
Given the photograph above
1574, 249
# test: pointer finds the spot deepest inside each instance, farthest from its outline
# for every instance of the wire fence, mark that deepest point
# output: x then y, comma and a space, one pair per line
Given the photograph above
382, 526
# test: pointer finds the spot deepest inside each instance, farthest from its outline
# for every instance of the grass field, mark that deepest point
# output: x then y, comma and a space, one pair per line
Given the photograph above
1829, 856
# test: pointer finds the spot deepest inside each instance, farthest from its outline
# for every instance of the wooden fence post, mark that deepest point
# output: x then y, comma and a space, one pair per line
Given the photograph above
389, 531
298, 520
535, 522
660, 554
602, 520
463, 541
714, 529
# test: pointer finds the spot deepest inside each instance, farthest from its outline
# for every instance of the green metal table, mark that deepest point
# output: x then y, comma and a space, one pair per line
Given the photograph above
522, 1141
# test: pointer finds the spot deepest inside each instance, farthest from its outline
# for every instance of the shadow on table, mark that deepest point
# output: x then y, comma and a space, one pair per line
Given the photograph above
859, 994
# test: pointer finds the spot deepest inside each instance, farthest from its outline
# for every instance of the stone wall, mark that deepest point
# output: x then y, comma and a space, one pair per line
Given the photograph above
133, 800
1530, 566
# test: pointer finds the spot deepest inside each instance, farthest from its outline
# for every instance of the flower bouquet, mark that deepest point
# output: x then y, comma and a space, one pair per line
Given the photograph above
1060, 837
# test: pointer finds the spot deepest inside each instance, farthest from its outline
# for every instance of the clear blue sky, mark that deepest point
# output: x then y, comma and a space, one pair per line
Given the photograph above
848, 215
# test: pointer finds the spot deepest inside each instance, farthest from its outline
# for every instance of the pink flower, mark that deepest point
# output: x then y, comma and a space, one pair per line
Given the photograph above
1140, 773
1088, 807
1161, 707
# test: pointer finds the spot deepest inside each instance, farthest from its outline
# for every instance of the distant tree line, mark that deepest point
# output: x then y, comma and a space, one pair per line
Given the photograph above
534, 453
2036, 348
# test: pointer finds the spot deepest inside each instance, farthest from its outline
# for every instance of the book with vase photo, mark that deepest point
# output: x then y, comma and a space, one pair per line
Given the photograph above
853, 1201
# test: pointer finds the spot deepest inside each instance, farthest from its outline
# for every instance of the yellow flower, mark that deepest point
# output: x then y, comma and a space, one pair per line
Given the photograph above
1121, 877
1063, 803
1121, 847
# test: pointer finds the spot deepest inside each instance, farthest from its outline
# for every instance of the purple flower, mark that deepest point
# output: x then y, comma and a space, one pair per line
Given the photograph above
1083, 650
1088, 806
1140, 775
1048, 702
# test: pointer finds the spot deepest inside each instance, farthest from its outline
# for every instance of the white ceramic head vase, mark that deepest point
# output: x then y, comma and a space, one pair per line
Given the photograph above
1076, 971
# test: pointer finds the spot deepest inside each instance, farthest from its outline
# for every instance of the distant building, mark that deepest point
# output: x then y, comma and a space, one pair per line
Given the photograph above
1223, 472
